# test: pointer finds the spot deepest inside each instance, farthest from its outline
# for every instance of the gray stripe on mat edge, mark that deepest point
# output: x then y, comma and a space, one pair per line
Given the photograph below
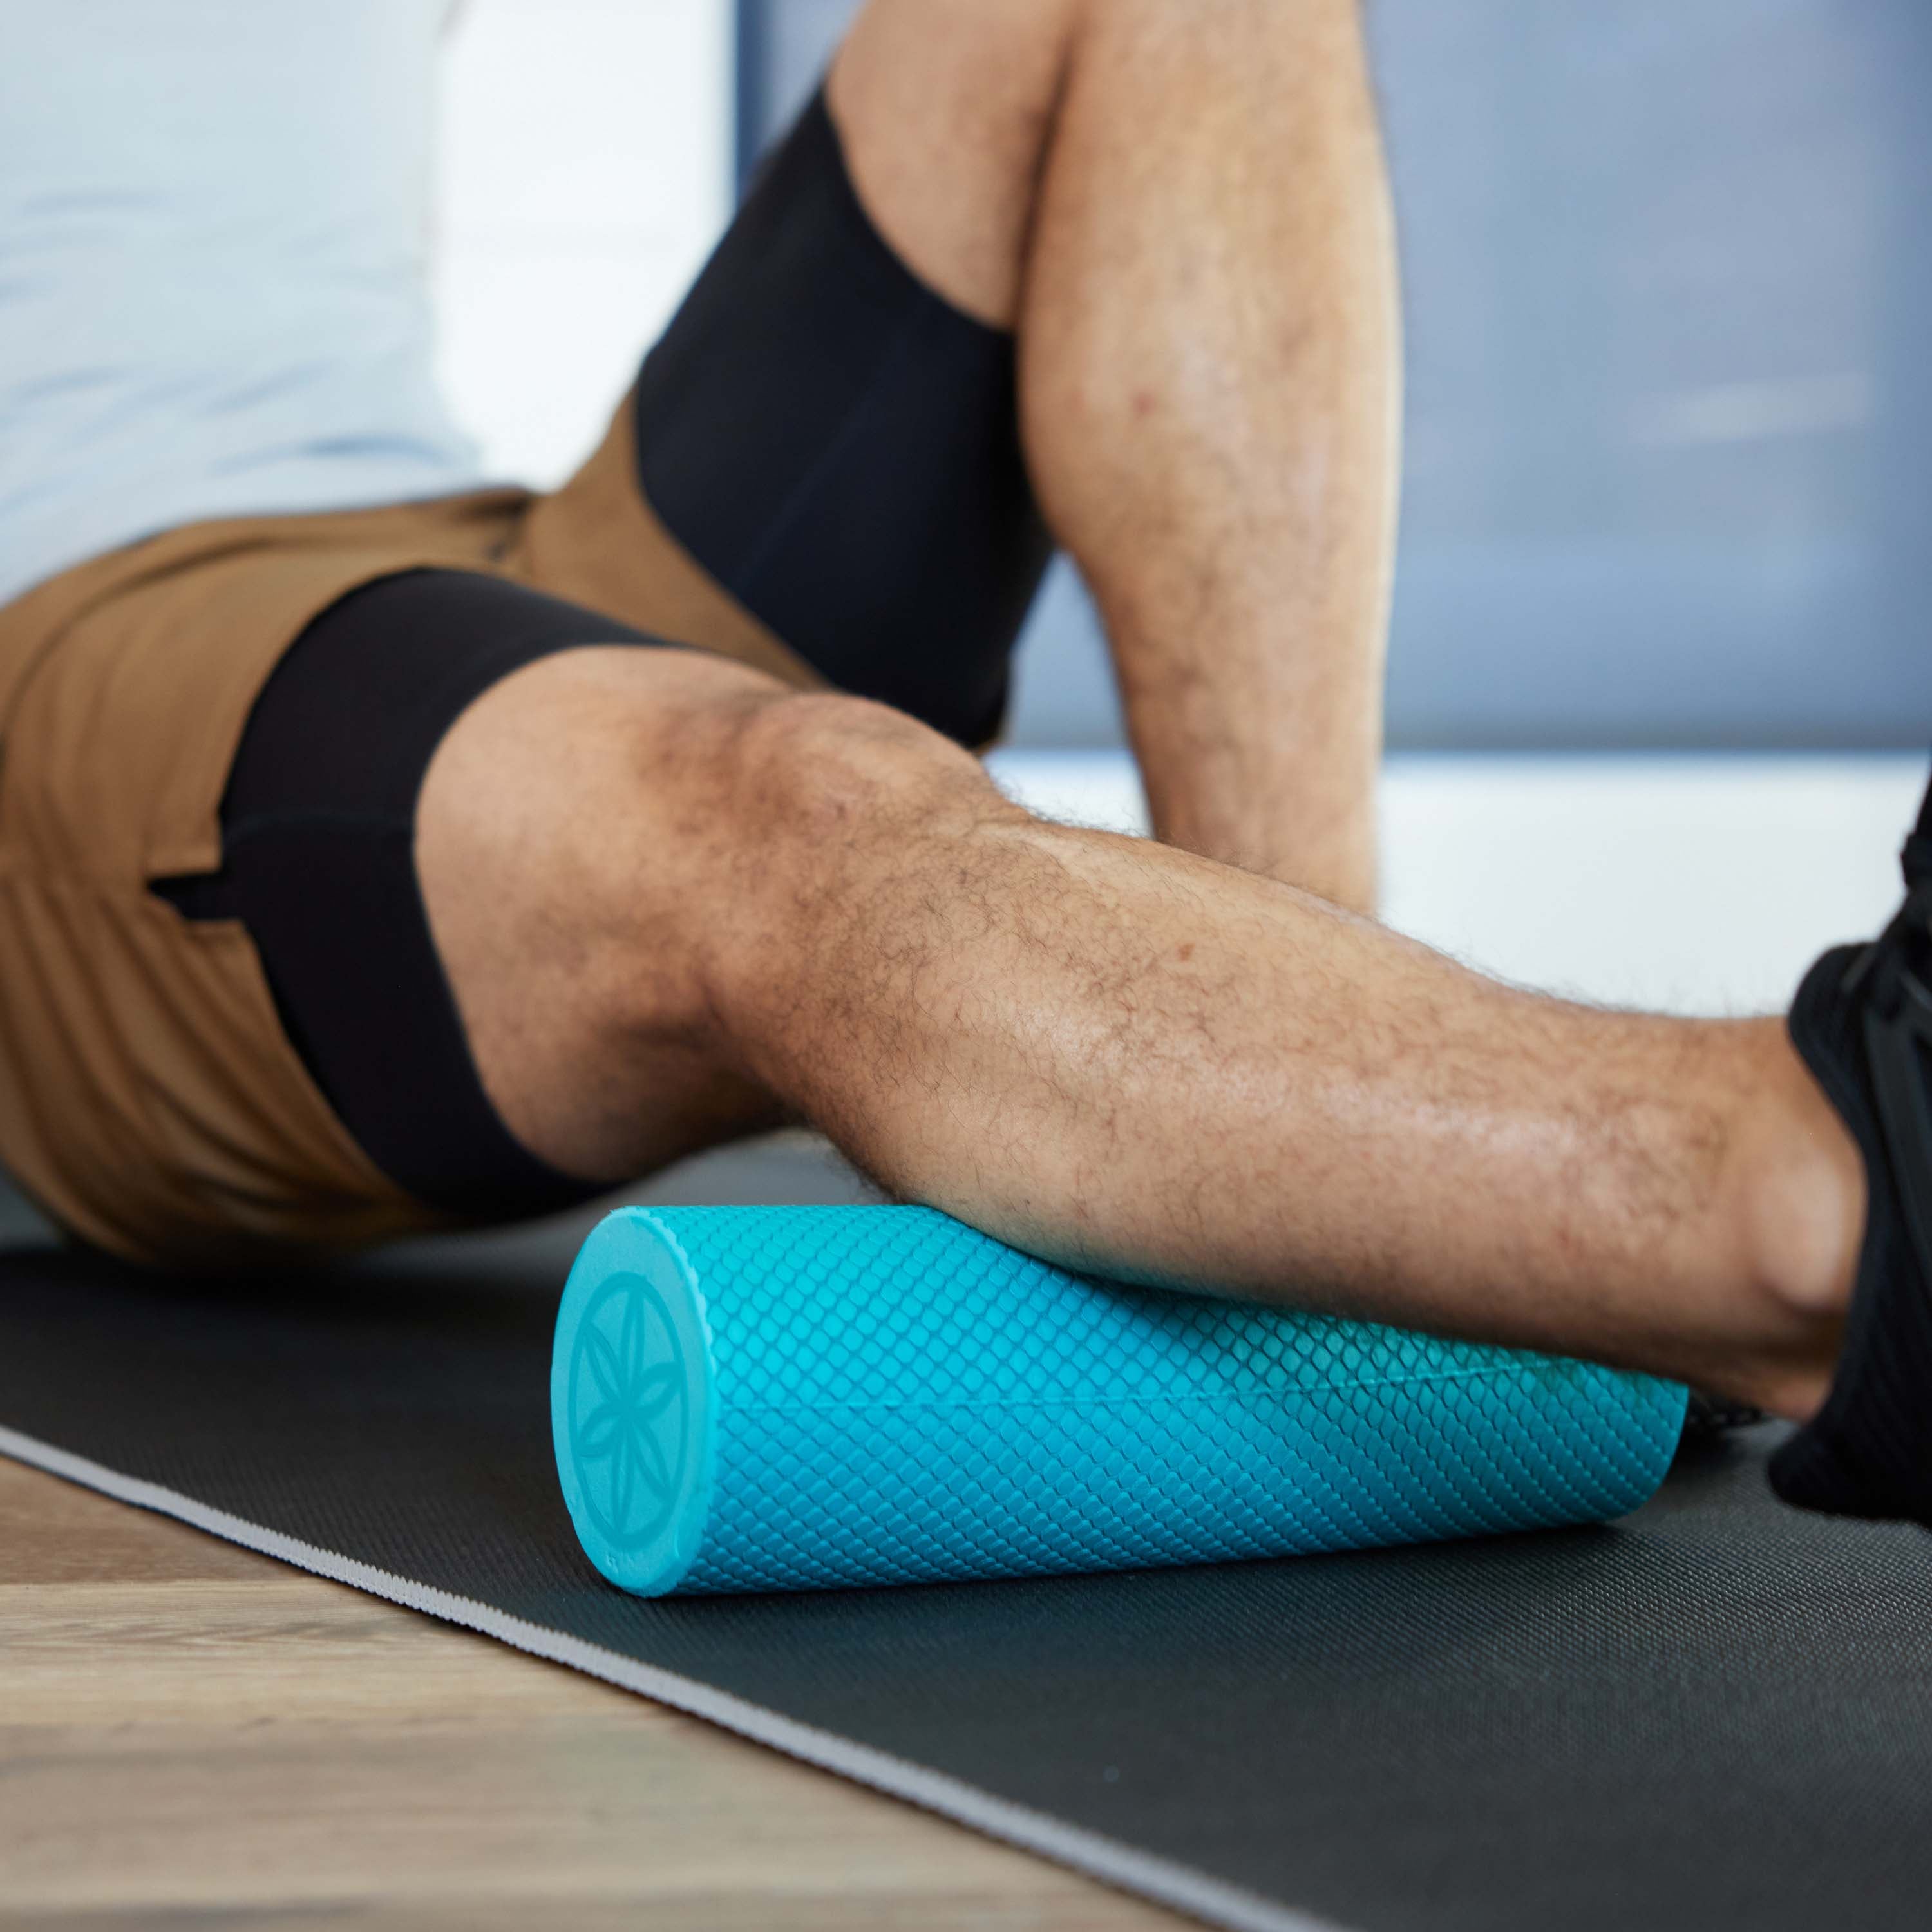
1099, 1857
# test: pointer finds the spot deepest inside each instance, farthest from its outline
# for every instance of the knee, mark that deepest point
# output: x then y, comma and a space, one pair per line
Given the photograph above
945, 114
833, 809
813, 772
847, 823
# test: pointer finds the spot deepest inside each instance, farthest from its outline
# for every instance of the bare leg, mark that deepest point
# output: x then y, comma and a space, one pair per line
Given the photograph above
668, 895
1181, 206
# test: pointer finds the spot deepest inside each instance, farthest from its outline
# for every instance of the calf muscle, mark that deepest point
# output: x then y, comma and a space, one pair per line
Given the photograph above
1130, 1058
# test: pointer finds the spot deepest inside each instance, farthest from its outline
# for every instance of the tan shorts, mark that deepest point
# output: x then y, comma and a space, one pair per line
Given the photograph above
149, 1099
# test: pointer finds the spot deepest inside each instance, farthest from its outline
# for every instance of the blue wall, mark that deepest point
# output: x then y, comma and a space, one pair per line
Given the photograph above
1669, 288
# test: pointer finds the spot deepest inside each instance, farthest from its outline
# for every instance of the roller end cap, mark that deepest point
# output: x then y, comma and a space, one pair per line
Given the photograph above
630, 1410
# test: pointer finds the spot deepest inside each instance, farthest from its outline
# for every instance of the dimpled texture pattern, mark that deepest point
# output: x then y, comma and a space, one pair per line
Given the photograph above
899, 1398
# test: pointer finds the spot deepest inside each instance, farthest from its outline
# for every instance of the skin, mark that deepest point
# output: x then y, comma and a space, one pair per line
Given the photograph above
1181, 206
677, 903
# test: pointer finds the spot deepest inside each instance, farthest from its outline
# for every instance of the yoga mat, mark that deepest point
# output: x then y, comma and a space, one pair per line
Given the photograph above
1716, 1712
795, 1398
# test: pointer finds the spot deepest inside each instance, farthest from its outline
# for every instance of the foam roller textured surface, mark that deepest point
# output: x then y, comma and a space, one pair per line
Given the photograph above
803, 1398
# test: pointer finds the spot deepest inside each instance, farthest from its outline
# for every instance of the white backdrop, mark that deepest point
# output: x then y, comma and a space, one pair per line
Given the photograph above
585, 167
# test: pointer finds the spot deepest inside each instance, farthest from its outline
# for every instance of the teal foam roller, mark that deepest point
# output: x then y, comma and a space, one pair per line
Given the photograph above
805, 1398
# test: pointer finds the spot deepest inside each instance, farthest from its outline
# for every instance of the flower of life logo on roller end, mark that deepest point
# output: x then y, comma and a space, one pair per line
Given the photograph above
630, 1412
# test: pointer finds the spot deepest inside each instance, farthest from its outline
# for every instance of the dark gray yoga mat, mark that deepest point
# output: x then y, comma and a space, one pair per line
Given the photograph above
1717, 1713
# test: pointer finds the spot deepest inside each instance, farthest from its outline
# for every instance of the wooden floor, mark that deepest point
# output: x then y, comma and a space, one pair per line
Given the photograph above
193, 1735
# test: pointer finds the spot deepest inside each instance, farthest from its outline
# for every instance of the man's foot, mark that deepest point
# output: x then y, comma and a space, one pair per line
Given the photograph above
1862, 1022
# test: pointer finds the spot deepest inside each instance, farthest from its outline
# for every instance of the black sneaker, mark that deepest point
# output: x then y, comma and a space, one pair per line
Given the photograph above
1863, 1022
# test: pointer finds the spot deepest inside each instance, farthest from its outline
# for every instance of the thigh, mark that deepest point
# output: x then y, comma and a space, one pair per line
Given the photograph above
819, 469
